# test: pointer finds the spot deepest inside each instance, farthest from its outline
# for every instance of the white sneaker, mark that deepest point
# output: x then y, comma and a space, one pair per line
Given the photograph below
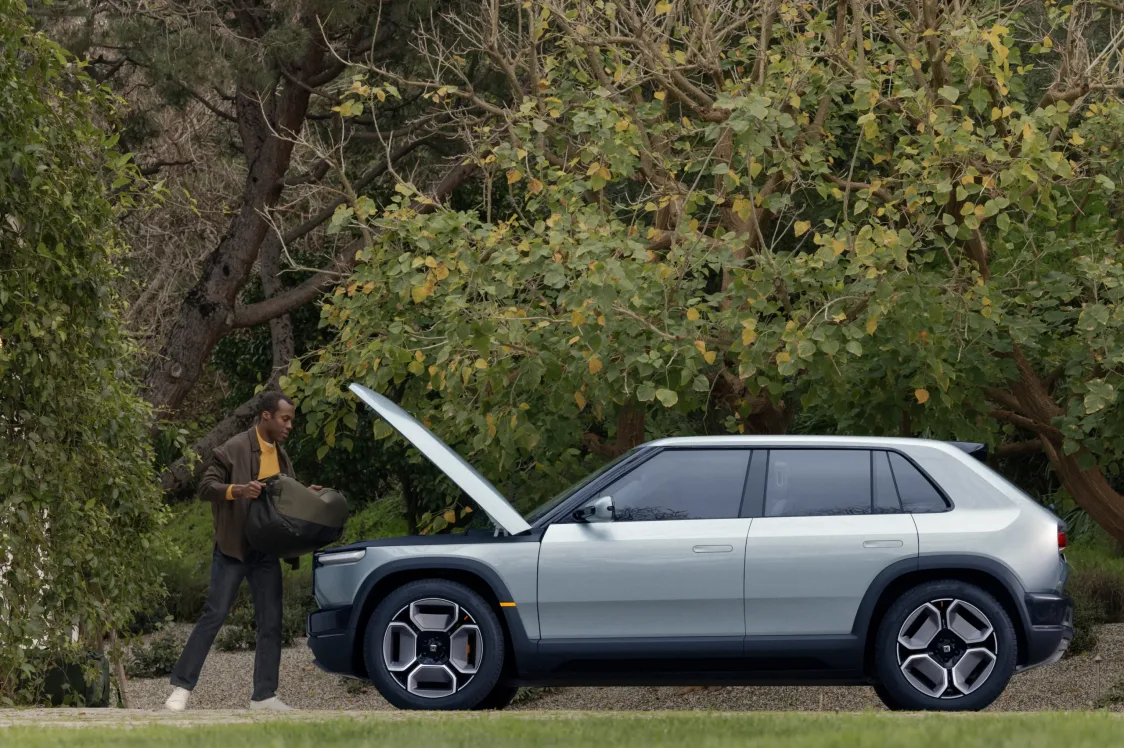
272, 704
177, 702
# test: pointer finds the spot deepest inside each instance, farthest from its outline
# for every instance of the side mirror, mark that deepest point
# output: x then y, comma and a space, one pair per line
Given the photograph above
600, 510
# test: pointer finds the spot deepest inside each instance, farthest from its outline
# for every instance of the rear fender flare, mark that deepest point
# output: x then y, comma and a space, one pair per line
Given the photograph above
953, 562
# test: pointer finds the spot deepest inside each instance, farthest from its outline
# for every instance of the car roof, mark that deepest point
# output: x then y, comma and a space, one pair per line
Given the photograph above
801, 441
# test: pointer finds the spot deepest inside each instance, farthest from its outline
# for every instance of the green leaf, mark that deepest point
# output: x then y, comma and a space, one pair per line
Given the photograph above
645, 392
855, 348
951, 93
667, 397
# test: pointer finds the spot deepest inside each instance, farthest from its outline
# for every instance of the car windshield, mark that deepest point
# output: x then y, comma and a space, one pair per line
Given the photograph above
547, 506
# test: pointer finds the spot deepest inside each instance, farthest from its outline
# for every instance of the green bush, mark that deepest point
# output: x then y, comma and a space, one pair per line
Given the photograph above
1096, 585
155, 659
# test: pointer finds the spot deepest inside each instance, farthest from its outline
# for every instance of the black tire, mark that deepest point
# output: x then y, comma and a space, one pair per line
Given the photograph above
889, 701
478, 688
900, 693
499, 698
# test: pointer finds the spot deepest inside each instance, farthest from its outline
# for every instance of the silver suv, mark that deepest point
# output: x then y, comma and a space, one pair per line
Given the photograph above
904, 564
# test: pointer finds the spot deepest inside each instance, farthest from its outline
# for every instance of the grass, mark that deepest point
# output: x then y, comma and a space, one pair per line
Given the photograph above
647, 730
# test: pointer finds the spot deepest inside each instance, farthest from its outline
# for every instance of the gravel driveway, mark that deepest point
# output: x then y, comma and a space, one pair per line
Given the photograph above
1074, 683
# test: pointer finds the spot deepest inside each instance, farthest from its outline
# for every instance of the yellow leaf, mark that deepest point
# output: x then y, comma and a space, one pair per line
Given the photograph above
579, 398
783, 357
700, 347
418, 293
481, 363
748, 336
693, 314
837, 247
450, 516
663, 8
368, 287
351, 289
604, 173
535, 186
601, 320
593, 168
801, 227
871, 326
430, 262
1076, 139
1028, 131
573, 340
513, 176
577, 318
996, 113
419, 356
595, 365
709, 356
921, 395
441, 272
1047, 42
622, 125
659, 95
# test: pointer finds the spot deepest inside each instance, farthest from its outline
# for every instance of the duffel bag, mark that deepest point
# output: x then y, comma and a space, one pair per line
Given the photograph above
289, 520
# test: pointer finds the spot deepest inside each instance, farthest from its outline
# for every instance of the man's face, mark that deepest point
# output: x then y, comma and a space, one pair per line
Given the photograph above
277, 425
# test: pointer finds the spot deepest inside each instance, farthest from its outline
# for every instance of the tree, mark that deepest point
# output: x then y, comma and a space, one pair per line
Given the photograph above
275, 159
897, 214
81, 512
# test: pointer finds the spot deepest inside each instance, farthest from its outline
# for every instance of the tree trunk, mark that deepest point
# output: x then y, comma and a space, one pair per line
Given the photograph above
409, 499
207, 312
1089, 488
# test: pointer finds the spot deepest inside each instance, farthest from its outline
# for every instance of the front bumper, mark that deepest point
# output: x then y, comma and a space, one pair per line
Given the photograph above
1050, 630
331, 640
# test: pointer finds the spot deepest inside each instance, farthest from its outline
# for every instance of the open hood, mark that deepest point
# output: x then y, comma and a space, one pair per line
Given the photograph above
452, 464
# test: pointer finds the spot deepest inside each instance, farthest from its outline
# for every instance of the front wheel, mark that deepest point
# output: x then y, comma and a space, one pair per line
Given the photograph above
434, 644
944, 646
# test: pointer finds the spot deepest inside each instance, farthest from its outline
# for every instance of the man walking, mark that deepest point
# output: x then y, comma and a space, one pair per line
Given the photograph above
231, 482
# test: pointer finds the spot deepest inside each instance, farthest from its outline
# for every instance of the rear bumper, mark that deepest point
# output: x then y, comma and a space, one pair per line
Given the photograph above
330, 639
1050, 629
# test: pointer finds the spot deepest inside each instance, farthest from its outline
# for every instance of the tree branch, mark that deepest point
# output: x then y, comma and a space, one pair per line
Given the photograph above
369, 176
263, 311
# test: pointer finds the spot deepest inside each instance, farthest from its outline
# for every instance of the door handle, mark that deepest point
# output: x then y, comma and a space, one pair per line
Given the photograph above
713, 548
882, 544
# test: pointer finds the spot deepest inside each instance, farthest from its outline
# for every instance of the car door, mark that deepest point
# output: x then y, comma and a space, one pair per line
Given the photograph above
669, 564
828, 522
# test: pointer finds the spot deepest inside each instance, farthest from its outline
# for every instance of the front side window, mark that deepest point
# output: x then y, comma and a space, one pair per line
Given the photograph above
682, 484
817, 482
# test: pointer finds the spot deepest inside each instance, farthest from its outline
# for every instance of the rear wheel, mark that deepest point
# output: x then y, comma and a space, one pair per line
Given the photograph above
944, 646
499, 698
434, 644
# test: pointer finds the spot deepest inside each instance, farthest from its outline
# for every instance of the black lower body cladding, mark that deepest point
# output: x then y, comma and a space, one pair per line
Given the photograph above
290, 520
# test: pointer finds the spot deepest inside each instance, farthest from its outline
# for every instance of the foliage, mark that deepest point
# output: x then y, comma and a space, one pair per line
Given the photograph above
81, 514
155, 659
240, 630
909, 233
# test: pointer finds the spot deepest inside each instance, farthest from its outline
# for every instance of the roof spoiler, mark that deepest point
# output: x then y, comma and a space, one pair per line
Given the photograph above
979, 451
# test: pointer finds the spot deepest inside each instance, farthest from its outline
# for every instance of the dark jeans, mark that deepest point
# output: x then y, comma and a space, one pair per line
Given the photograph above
264, 573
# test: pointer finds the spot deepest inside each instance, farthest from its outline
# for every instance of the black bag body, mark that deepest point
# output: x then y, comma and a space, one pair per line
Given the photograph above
289, 520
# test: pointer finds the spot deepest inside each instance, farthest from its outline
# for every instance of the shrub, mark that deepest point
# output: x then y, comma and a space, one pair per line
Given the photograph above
155, 659
1098, 598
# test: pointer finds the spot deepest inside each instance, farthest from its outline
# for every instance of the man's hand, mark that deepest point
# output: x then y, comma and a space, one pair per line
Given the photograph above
314, 488
249, 490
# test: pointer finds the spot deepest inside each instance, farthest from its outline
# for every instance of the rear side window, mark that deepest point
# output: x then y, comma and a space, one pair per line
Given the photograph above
918, 495
816, 482
682, 484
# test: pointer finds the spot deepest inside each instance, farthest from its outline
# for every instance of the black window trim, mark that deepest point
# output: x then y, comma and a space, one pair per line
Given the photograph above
757, 504
753, 497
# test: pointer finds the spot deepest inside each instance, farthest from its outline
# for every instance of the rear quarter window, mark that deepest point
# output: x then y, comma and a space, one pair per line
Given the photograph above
918, 495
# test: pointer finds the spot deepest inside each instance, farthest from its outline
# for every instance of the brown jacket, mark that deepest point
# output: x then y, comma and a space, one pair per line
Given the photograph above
237, 461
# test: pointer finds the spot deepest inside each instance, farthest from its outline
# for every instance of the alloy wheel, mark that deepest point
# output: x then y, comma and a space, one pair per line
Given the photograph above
947, 648
432, 648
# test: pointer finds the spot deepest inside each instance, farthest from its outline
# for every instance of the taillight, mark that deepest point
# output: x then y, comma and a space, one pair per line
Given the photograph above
1061, 539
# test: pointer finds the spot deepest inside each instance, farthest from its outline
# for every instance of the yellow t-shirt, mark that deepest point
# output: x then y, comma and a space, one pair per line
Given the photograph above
269, 466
